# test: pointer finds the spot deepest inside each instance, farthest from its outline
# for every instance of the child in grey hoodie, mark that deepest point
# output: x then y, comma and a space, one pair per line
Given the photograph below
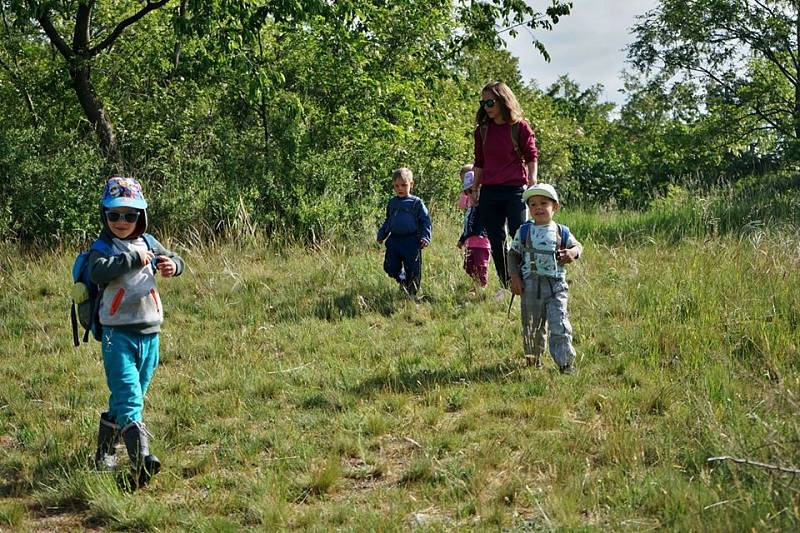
124, 264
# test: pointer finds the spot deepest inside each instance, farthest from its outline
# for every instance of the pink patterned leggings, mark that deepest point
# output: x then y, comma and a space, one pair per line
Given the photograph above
476, 264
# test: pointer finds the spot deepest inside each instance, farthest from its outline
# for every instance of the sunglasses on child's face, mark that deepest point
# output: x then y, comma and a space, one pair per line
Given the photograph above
115, 216
489, 102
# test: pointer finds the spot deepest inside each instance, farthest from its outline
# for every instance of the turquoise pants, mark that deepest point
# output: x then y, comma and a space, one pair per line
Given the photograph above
130, 360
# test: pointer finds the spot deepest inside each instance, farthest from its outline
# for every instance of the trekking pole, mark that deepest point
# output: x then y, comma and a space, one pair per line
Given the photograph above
507, 280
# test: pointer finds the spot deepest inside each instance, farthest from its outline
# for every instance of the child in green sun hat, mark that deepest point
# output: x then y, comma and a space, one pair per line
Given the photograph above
540, 250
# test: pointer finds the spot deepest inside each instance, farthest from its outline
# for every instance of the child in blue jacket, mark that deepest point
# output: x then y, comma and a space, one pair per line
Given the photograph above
130, 314
406, 230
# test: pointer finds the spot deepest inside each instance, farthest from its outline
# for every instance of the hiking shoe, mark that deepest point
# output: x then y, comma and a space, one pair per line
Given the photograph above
105, 458
568, 370
533, 360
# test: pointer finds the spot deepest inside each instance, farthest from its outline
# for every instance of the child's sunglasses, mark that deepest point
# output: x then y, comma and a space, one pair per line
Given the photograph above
115, 216
489, 102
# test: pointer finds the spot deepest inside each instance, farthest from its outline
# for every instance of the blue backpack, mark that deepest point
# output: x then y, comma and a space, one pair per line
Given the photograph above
86, 294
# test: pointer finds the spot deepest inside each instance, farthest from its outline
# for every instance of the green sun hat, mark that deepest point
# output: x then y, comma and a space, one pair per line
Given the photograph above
541, 189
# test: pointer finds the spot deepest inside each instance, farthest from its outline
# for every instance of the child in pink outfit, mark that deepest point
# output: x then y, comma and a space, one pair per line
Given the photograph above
473, 238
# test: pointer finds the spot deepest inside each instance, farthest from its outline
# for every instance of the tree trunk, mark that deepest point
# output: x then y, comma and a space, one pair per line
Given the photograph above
797, 76
96, 113
19, 84
176, 53
78, 58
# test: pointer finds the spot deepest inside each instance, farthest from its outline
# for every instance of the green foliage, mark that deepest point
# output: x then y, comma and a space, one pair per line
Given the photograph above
738, 57
289, 117
51, 193
293, 113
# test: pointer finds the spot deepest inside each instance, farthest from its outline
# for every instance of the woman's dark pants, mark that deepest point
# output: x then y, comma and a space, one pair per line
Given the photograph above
501, 205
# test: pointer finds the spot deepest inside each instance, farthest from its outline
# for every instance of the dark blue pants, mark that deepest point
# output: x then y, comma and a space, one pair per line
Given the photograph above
403, 253
501, 205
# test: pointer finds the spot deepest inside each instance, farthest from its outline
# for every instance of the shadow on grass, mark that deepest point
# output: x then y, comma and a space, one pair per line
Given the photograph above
352, 303
422, 380
346, 304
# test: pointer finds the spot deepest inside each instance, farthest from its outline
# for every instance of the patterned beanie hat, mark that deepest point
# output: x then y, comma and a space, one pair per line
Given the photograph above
123, 192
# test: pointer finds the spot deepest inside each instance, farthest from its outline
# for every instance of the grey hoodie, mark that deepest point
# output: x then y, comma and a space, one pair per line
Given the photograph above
130, 298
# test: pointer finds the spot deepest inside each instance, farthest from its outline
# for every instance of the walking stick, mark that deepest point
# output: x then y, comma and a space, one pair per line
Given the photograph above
507, 281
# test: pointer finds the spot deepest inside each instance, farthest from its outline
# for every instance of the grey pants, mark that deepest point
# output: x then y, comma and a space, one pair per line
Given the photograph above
544, 300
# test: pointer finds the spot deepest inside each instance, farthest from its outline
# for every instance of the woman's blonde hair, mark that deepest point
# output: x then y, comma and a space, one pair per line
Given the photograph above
504, 96
403, 173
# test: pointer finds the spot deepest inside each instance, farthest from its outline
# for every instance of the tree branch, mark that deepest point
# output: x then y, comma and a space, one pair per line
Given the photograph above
18, 83
108, 41
52, 34
784, 469
80, 39
755, 40
536, 18
727, 86
765, 7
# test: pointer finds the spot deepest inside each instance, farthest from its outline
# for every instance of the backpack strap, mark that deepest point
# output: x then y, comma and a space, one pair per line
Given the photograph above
515, 140
524, 233
73, 316
102, 244
563, 234
150, 241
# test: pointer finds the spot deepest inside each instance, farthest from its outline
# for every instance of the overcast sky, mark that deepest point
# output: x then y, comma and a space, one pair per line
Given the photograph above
587, 45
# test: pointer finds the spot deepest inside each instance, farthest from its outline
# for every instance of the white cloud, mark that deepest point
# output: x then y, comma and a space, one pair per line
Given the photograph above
587, 45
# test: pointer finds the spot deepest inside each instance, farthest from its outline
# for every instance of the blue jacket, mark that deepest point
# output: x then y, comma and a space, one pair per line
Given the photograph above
472, 225
406, 216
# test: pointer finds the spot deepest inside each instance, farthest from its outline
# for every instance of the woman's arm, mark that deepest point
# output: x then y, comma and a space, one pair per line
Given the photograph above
478, 173
529, 150
533, 172
477, 164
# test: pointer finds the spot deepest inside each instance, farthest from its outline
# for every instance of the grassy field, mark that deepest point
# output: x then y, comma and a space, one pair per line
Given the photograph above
299, 389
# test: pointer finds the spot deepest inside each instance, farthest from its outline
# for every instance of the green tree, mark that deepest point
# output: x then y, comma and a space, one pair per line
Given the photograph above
740, 54
293, 112
55, 17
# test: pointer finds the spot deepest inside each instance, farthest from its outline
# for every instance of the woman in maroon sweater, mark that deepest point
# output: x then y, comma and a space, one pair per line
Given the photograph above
503, 167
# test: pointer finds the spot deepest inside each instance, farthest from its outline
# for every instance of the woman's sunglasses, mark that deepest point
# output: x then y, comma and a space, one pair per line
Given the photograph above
115, 216
489, 102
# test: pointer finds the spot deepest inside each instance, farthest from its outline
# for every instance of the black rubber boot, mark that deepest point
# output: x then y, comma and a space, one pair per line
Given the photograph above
105, 457
144, 465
